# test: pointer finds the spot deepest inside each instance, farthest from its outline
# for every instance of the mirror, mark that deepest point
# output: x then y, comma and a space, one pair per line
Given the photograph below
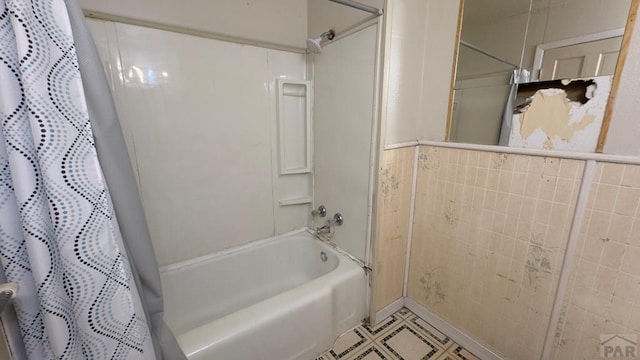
517, 69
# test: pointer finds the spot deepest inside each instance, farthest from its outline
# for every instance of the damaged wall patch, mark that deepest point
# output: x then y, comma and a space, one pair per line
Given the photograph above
561, 114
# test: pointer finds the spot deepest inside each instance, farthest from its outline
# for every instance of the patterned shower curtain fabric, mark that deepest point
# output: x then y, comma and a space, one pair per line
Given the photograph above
59, 238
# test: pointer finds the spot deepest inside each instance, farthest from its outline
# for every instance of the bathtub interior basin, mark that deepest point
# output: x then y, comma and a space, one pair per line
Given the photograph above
282, 298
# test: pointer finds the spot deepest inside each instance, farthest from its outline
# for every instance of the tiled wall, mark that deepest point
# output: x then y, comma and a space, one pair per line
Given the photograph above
489, 235
603, 293
392, 225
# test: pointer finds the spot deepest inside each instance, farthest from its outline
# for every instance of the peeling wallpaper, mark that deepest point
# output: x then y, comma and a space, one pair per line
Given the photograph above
603, 294
552, 119
490, 231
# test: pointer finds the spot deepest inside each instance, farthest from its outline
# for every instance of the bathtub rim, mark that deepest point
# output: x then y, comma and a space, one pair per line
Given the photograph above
178, 266
223, 253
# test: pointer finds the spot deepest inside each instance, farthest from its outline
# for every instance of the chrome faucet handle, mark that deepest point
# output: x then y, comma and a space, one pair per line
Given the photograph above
338, 219
322, 211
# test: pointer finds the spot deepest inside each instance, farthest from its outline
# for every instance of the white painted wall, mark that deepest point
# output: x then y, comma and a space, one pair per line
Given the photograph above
344, 76
199, 120
442, 25
404, 62
282, 22
420, 53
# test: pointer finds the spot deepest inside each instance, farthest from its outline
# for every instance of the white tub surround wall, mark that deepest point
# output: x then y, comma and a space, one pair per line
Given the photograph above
280, 23
278, 300
292, 191
199, 118
344, 79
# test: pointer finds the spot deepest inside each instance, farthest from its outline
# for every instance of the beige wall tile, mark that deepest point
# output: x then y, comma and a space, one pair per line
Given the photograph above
611, 174
631, 176
612, 254
634, 237
592, 248
604, 281
606, 198
620, 228
493, 271
489, 237
631, 261
570, 169
395, 181
627, 201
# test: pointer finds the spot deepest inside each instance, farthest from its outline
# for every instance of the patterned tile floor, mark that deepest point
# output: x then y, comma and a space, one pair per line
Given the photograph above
402, 336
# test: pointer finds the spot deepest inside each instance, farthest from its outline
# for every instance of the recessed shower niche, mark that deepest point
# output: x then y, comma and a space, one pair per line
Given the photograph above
294, 126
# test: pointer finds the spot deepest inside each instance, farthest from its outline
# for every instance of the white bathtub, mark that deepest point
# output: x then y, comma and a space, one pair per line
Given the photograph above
274, 299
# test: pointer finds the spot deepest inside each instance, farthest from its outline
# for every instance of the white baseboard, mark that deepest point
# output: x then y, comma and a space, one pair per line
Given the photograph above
389, 310
454, 334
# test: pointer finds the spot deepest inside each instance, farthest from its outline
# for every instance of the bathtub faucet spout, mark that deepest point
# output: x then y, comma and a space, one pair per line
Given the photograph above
326, 229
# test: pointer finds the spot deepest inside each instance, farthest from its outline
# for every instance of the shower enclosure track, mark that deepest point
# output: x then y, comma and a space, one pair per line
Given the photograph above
359, 6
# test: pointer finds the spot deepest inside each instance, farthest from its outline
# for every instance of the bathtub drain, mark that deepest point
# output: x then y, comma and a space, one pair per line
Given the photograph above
323, 256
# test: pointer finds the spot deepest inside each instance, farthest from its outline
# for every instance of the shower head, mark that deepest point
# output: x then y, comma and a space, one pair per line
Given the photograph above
314, 45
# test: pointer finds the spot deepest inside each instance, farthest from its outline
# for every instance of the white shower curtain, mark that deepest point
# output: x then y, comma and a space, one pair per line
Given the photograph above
59, 238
